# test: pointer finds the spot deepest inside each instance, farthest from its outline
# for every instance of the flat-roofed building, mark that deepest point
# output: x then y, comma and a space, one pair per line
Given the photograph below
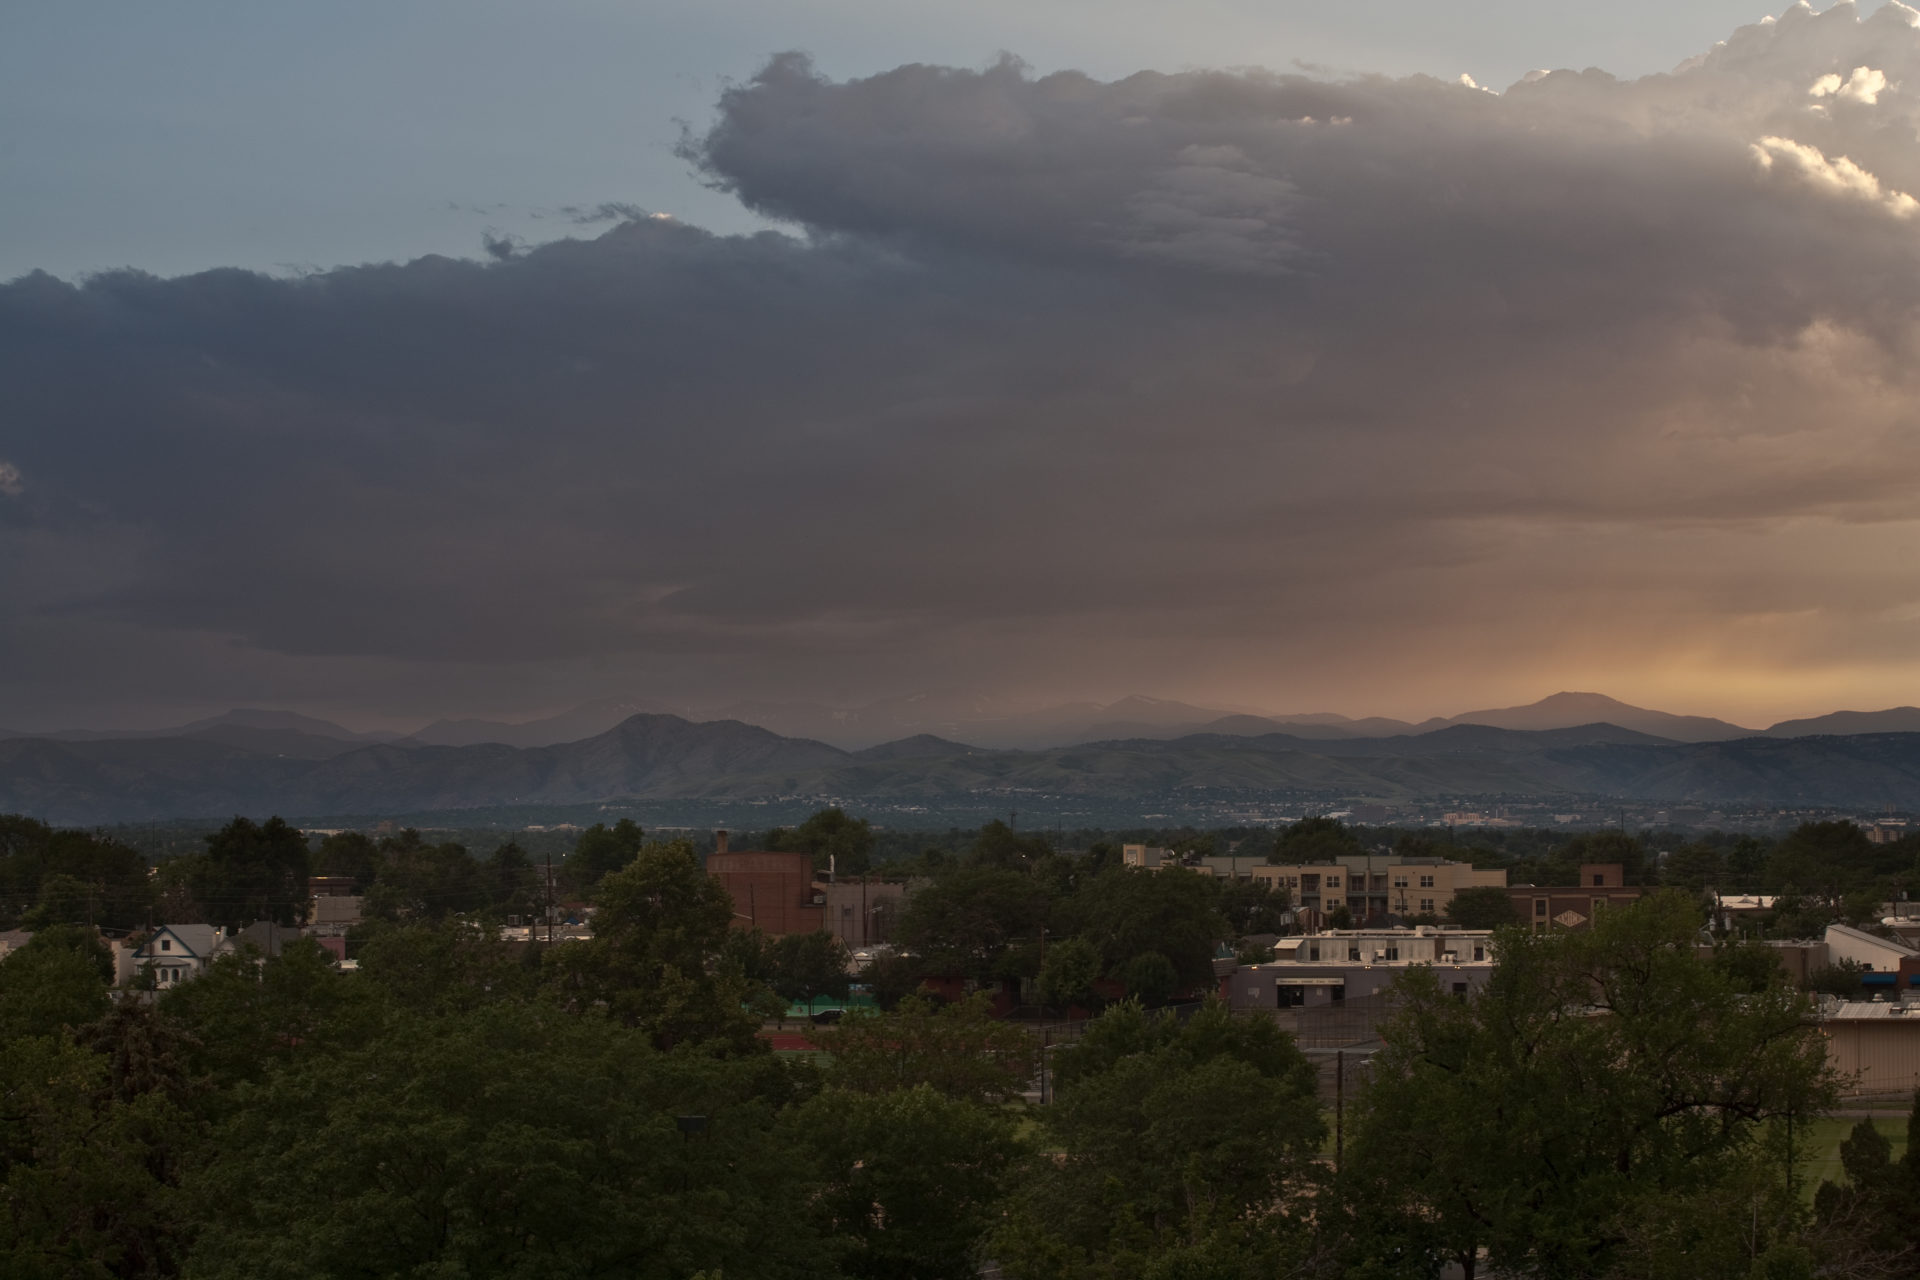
1546, 907
1891, 964
1348, 964
1371, 887
1874, 1045
1381, 886
864, 911
771, 891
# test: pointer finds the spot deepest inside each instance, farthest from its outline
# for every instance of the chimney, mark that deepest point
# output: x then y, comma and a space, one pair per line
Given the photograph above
720, 840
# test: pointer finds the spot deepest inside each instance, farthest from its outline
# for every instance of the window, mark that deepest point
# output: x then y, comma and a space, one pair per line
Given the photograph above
1353, 951
1313, 951
1393, 953
1540, 907
1426, 882
1598, 880
1479, 952
166, 944
1399, 882
1333, 882
1426, 905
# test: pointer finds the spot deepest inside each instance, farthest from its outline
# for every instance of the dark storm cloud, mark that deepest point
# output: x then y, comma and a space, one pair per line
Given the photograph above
1050, 367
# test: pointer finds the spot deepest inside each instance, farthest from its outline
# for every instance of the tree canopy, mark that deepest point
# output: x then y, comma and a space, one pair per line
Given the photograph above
1634, 1086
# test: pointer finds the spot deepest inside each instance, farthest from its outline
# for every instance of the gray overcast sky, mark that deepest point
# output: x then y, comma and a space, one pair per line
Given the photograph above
1348, 388
191, 134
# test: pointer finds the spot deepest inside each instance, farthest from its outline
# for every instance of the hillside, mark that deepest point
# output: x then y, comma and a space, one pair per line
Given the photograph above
662, 757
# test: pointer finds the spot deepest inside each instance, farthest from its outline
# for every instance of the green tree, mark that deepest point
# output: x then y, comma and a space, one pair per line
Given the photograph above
446, 966
964, 923
654, 961
421, 882
960, 1050
1068, 973
999, 845
245, 1016
892, 978
1131, 911
84, 1173
1864, 1224
253, 871
349, 853
69, 877
1627, 1074
1481, 907
513, 885
1694, 868
806, 966
1314, 840
1180, 1151
1253, 906
911, 1179
512, 1140
1746, 863
57, 981
1823, 860
1151, 977
1841, 978
601, 850
832, 839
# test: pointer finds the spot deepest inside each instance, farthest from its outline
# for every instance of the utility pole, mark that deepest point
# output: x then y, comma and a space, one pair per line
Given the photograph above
1789, 1152
549, 897
1339, 1107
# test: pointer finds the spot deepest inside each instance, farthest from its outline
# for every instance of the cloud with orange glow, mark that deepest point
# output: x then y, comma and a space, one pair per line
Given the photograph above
1384, 395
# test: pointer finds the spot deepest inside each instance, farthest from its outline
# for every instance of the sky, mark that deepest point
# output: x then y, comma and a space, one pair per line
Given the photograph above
388, 362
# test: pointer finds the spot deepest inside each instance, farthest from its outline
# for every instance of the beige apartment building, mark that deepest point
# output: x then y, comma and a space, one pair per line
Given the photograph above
1380, 886
1368, 886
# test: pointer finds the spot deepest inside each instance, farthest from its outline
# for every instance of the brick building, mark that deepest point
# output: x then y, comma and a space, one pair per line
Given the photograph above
773, 892
1545, 907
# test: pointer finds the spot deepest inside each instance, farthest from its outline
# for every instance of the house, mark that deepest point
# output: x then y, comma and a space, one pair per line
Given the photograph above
1602, 885
11, 940
179, 952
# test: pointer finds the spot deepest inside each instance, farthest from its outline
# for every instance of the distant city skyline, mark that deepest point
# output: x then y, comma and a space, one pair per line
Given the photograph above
1348, 385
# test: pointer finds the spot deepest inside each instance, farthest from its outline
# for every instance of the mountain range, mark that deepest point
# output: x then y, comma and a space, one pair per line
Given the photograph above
215, 769
986, 721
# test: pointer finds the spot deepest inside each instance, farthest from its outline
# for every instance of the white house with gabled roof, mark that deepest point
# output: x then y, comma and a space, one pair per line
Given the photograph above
179, 952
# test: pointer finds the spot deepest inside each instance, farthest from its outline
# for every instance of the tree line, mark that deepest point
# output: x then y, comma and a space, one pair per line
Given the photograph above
1613, 1103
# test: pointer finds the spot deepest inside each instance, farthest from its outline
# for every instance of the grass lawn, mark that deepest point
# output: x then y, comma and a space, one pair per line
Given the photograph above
1820, 1141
